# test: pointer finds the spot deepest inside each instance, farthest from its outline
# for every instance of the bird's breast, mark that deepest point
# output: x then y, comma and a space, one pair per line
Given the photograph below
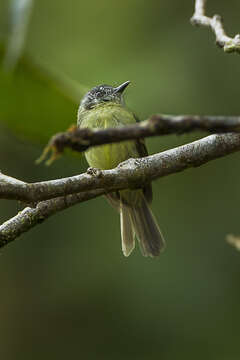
109, 156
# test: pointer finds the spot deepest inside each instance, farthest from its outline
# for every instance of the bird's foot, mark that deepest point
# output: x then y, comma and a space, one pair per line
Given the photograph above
94, 172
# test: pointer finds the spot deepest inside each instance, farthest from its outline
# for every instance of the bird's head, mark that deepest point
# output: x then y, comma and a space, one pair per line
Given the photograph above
103, 94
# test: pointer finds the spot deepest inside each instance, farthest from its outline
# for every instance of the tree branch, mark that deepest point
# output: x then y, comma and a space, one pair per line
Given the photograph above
133, 173
82, 139
228, 44
30, 217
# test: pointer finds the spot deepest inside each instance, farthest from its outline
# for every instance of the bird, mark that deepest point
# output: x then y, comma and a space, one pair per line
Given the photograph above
104, 107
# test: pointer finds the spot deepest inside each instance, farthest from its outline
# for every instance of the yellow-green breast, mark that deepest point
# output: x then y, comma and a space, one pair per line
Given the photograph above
105, 116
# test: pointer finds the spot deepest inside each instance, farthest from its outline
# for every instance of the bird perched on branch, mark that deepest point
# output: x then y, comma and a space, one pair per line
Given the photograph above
104, 107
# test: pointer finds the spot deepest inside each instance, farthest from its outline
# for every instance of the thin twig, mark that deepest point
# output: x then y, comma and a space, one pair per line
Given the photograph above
199, 17
234, 241
81, 139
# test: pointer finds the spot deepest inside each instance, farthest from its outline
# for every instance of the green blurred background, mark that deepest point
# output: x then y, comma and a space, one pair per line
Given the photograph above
66, 289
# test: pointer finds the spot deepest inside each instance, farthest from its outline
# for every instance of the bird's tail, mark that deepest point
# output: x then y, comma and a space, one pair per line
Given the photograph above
140, 220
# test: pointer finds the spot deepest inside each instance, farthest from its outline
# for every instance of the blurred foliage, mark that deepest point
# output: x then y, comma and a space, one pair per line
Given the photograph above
67, 291
19, 15
38, 95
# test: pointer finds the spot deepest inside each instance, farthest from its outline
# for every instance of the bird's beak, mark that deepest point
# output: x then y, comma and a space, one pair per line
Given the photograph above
121, 87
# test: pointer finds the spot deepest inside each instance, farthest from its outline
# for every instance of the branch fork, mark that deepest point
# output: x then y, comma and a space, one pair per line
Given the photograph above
229, 44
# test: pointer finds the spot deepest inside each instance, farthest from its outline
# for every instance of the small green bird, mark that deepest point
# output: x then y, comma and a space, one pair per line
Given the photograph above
103, 107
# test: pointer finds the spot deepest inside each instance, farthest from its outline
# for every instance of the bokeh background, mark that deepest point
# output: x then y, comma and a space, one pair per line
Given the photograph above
66, 289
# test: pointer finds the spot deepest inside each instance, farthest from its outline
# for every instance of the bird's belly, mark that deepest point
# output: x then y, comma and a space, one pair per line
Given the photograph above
109, 156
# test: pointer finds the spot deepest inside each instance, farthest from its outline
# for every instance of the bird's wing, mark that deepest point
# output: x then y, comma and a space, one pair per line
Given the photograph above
142, 150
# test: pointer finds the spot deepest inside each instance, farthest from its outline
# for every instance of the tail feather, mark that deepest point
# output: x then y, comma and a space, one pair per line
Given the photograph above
148, 233
140, 220
127, 233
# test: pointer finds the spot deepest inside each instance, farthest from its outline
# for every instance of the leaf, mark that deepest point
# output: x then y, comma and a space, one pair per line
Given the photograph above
19, 16
35, 102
